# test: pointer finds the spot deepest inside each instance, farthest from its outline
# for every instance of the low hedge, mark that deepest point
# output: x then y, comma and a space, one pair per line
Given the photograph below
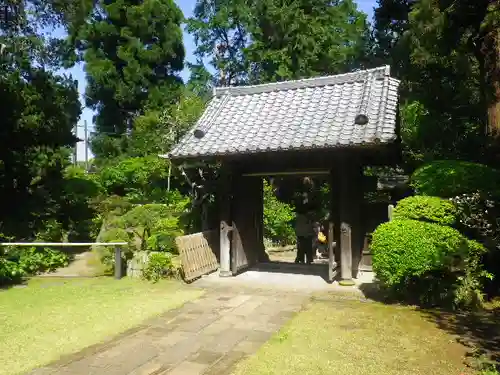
426, 208
427, 263
448, 178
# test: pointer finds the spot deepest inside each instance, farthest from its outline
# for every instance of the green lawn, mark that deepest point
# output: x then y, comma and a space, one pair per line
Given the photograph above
349, 337
52, 317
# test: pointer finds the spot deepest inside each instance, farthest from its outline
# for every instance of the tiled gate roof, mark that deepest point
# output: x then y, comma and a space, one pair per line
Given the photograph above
305, 114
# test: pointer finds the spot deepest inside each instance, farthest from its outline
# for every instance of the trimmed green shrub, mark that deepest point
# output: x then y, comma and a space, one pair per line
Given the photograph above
427, 263
163, 235
448, 178
159, 266
426, 208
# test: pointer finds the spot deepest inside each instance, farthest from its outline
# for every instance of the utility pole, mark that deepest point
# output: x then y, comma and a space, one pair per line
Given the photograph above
86, 145
76, 144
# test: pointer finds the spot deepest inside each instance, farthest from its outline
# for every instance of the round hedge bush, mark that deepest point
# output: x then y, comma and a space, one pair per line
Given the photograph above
426, 208
426, 262
406, 248
448, 178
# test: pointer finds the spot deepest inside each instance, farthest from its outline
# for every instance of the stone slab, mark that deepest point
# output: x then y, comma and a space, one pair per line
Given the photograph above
226, 364
248, 347
225, 341
188, 368
205, 357
150, 368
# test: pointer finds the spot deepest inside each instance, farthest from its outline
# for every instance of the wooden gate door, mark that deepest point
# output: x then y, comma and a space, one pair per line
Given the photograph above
246, 212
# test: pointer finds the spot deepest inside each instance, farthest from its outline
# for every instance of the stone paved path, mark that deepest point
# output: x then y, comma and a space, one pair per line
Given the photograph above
207, 336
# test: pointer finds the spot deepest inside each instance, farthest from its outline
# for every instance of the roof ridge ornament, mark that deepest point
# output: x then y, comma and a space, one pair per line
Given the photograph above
361, 118
198, 132
359, 75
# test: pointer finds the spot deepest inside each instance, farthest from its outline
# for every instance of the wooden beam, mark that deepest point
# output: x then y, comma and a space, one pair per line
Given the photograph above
288, 173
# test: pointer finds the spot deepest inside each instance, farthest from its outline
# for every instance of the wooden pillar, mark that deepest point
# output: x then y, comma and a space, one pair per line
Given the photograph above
225, 249
262, 256
224, 197
350, 197
358, 230
335, 177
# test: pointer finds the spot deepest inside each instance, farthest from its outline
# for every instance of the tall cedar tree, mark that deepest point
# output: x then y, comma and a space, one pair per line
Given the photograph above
271, 40
477, 23
220, 32
133, 52
448, 55
294, 39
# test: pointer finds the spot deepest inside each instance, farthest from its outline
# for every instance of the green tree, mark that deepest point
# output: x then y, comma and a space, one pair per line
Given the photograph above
476, 24
133, 52
272, 40
390, 23
220, 32
303, 38
157, 131
39, 110
200, 80
442, 115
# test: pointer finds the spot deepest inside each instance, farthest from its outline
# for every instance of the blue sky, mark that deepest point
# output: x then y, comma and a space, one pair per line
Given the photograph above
187, 7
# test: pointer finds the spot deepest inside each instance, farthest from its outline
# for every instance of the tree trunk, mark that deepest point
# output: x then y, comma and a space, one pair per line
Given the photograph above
490, 49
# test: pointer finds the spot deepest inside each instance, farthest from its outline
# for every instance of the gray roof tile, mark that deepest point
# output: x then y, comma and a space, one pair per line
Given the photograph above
310, 113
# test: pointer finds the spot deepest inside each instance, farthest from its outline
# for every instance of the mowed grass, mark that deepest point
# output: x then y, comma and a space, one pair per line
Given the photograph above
348, 337
52, 317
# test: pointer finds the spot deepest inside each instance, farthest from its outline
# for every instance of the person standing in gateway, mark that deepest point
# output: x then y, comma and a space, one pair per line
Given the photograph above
304, 232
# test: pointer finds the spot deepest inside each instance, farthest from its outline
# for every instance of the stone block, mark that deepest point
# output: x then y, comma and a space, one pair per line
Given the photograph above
216, 328
259, 336
237, 301
198, 323
171, 339
205, 357
150, 368
137, 263
174, 354
247, 347
247, 307
225, 341
225, 365
188, 368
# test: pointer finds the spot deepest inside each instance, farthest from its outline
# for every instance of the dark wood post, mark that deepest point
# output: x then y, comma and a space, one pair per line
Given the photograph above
345, 254
350, 173
332, 243
224, 197
358, 228
118, 263
335, 177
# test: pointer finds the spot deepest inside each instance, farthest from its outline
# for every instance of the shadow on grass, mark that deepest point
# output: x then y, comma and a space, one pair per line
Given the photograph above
21, 282
478, 331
